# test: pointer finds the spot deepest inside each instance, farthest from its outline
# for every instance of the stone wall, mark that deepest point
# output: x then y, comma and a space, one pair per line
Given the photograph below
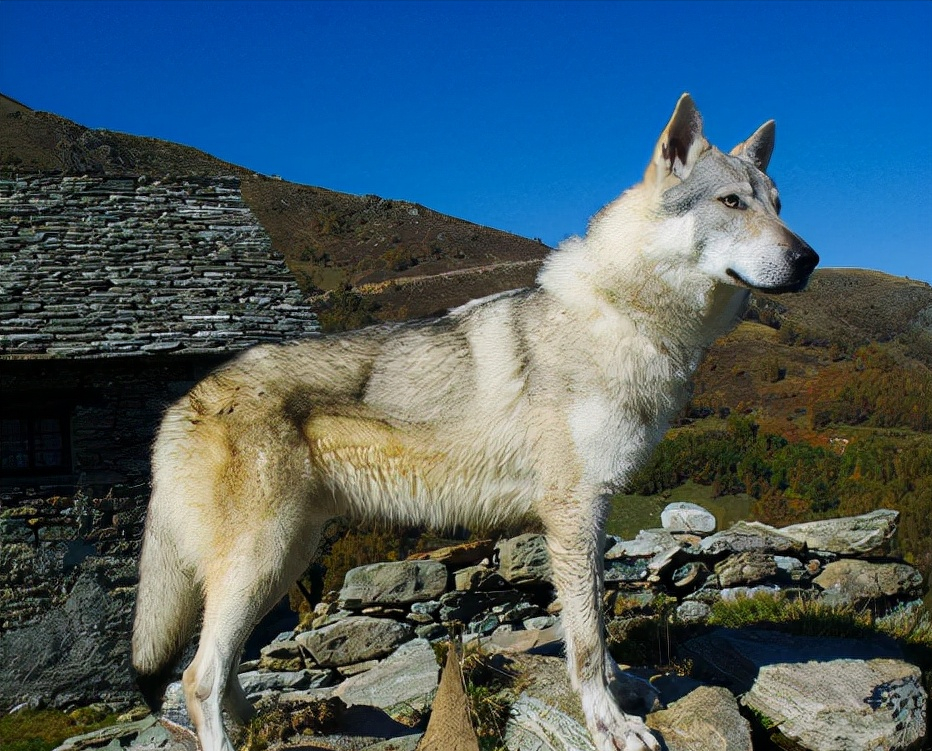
67, 586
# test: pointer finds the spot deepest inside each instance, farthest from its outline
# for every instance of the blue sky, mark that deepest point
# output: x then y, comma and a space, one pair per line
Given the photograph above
525, 116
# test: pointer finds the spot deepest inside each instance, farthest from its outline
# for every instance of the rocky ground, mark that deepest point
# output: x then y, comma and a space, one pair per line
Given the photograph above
364, 674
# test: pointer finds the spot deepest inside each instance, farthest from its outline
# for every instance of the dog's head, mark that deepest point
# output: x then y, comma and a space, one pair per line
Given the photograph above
731, 206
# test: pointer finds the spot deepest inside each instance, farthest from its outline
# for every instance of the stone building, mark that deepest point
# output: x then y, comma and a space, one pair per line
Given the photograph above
116, 295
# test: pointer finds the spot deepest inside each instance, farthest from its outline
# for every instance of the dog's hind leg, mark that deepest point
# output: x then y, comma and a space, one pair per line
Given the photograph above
235, 701
241, 585
575, 538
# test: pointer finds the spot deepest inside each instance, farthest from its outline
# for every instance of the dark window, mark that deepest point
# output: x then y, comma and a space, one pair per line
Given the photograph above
34, 444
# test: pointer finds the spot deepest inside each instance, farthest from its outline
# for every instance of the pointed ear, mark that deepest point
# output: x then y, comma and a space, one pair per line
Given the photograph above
680, 144
758, 148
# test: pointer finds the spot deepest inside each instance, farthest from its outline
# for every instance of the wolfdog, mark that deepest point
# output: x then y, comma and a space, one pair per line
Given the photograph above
527, 404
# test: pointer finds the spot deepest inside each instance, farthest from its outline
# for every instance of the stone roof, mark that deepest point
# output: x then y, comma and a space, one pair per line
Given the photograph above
108, 266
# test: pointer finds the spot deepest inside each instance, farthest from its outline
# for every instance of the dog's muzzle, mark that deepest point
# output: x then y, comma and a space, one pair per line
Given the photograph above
800, 258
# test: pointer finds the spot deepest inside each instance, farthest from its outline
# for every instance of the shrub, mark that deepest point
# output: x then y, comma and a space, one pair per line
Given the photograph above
346, 310
398, 259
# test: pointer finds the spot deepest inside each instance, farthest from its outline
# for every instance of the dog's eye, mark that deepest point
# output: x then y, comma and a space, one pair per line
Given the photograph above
732, 201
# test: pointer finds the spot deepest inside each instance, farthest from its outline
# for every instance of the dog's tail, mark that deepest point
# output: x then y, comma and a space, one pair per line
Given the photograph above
168, 603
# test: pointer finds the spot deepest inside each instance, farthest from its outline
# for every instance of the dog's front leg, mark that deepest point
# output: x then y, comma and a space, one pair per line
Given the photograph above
575, 538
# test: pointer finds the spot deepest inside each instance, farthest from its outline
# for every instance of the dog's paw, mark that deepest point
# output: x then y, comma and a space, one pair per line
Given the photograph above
633, 735
612, 729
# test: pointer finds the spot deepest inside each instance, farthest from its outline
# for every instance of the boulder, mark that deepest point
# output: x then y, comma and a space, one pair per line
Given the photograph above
865, 535
706, 719
524, 559
687, 517
281, 654
354, 639
856, 581
732, 594
626, 570
790, 568
393, 583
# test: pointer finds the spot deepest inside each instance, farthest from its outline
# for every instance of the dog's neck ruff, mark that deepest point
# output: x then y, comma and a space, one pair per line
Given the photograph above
632, 290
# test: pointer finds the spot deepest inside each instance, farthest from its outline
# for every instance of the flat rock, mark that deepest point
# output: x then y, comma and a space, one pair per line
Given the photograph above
454, 556
751, 536
548, 640
706, 719
258, 681
409, 675
547, 715
393, 583
125, 732
404, 743
855, 581
825, 694
535, 725
663, 561
687, 517
647, 544
359, 728
843, 705
868, 534
354, 639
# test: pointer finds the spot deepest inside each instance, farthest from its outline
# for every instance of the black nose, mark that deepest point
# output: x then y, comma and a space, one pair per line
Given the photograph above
803, 258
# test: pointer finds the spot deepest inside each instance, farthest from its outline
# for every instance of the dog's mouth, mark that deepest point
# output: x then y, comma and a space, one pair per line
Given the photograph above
797, 285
